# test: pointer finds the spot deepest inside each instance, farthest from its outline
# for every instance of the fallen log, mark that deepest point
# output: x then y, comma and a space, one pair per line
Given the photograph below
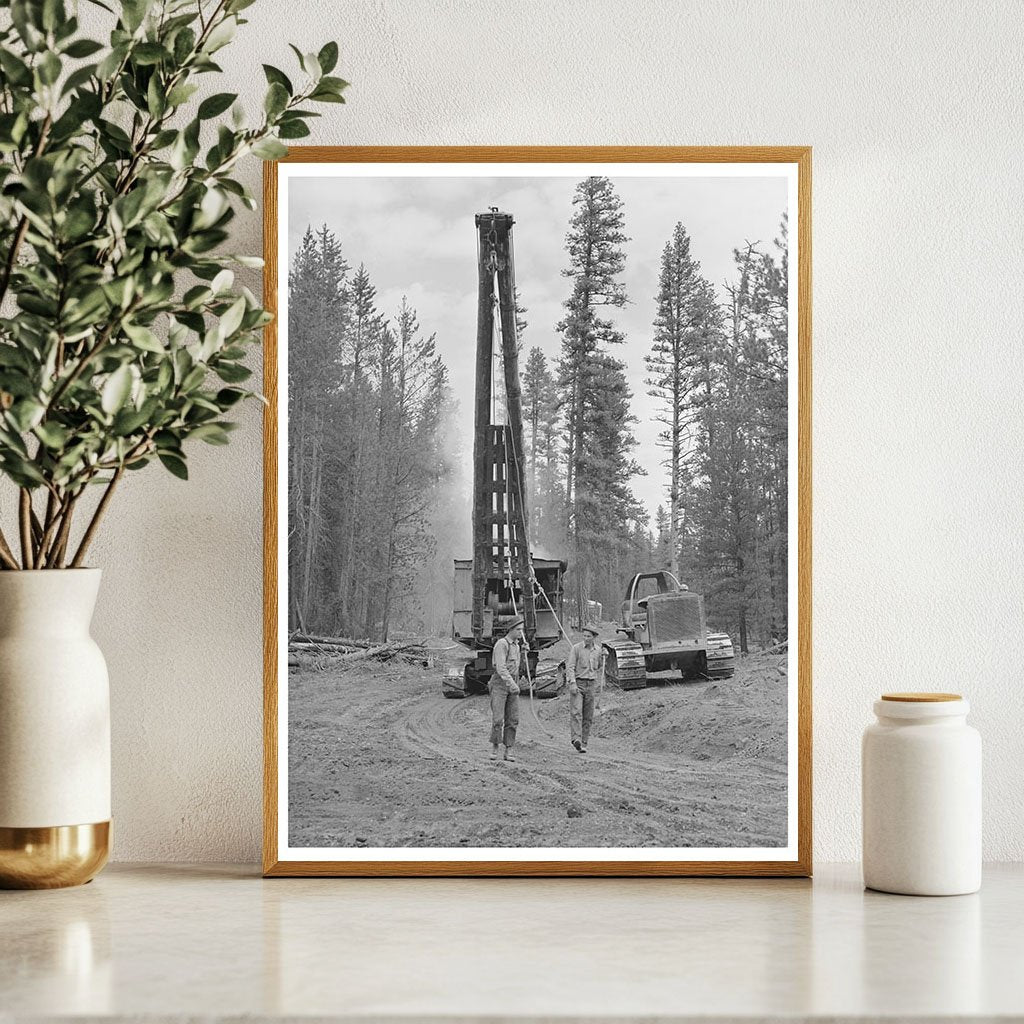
341, 657
309, 645
330, 641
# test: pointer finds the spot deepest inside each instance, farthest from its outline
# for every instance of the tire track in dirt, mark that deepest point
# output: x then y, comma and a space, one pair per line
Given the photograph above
379, 753
651, 784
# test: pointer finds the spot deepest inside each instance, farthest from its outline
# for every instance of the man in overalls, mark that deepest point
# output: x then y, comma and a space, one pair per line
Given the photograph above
507, 659
583, 669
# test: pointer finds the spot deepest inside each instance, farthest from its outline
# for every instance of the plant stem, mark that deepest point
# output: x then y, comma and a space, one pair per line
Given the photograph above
51, 525
6, 555
37, 531
51, 508
25, 522
60, 543
94, 523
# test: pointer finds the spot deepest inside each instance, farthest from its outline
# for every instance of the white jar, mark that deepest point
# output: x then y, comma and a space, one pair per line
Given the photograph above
921, 776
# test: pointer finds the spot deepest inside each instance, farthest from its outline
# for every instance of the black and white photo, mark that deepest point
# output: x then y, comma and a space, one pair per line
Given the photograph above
537, 513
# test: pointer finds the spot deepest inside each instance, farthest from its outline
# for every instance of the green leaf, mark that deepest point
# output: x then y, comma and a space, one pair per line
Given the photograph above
167, 441
16, 70
211, 433
116, 134
222, 282
328, 57
232, 319
11, 442
144, 338
276, 99
310, 65
228, 397
221, 35
12, 356
276, 76
21, 471
133, 12
149, 53
25, 18
78, 78
37, 304
162, 139
116, 390
128, 421
129, 207
107, 67
184, 43
156, 101
211, 208
49, 68
193, 379
334, 84
216, 104
181, 94
119, 291
196, 296
326, 96
269, 149
164, 376
293, 130
175, 464
53, 14
83, 48
25, 414
53, 435
232, 373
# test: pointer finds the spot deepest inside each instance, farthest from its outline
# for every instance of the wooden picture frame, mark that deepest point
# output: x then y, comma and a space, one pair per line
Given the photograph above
799, 860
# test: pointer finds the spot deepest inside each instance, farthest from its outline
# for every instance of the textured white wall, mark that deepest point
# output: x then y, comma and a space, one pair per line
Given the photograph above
913, 110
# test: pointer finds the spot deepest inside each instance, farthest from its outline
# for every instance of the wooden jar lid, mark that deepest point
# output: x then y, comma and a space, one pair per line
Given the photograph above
921, 698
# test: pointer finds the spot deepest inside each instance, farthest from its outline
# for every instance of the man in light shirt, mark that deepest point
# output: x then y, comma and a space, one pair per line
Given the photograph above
583, 669
507, 659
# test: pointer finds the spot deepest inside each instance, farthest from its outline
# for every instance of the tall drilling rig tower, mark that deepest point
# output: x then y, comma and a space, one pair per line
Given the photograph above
503, 579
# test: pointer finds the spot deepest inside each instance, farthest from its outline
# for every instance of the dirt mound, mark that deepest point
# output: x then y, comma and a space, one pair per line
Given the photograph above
711, 721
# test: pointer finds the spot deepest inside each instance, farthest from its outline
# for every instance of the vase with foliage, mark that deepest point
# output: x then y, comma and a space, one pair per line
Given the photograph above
123, 339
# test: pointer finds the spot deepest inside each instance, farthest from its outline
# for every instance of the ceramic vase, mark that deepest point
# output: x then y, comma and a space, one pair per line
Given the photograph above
922, 796
54, 731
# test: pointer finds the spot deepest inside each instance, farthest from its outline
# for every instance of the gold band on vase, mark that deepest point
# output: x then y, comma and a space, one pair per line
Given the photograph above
54, 856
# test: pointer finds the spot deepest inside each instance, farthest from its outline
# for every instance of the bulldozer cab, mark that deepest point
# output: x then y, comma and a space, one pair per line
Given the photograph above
641, 587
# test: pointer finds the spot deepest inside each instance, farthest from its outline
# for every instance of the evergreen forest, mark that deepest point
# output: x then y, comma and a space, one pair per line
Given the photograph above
377, 500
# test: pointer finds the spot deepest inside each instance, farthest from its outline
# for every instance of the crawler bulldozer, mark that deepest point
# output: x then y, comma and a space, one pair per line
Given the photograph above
664, 628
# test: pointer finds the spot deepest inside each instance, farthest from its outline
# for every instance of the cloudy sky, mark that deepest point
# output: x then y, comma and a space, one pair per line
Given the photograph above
417, 238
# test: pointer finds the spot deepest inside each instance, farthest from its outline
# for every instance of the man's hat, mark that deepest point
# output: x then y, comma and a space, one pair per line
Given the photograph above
591, 630
515, 622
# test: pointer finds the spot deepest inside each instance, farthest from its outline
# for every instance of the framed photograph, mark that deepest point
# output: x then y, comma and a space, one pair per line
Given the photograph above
538, 511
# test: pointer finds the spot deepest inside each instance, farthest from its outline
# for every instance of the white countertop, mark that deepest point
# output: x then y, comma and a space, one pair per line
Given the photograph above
179, 941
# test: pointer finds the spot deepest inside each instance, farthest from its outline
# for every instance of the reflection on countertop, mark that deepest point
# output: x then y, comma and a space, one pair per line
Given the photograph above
179, 941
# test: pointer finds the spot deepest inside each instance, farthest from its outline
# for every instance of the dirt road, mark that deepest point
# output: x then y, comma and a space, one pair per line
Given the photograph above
378, 758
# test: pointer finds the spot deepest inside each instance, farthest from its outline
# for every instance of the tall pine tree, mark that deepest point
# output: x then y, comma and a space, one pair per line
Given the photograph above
594, 244
685, 323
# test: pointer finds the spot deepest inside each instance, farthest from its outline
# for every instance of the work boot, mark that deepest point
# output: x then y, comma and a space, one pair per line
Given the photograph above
509, 756
494, 753
583, 748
